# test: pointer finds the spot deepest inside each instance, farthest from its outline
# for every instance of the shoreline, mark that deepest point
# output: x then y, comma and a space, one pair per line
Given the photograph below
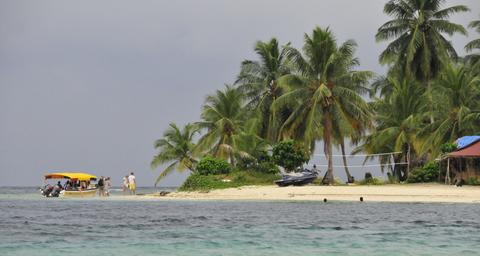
413, 193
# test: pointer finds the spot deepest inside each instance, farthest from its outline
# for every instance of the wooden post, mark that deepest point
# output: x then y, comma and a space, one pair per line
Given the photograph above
447, 177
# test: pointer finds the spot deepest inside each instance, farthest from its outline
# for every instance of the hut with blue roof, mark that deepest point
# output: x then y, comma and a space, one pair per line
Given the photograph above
464, 163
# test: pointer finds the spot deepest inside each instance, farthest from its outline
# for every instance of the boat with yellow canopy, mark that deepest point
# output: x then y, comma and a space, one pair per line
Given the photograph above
78, 184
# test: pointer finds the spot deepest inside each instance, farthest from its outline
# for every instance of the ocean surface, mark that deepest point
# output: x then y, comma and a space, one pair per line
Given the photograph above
33, 225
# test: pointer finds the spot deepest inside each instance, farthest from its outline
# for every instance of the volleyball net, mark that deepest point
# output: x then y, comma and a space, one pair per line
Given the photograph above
315, 160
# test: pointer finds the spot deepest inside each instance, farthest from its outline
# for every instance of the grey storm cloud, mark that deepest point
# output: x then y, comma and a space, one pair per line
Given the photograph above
89, 85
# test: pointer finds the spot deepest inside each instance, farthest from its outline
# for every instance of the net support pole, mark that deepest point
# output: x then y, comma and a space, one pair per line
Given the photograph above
447, 177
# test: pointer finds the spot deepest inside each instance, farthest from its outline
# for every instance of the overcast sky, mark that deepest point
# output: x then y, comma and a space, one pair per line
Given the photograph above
89, 85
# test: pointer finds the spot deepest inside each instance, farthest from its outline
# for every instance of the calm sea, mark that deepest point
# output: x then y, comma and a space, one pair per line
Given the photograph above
32, 225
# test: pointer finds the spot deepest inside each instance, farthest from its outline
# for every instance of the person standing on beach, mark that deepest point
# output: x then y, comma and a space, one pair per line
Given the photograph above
131, 184
108, 185
101, 186
125, 184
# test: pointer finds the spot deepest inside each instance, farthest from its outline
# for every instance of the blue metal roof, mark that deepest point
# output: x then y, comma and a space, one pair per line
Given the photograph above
465, 141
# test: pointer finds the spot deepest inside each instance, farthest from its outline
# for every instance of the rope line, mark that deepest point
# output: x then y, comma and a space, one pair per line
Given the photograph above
367, 165
380, 154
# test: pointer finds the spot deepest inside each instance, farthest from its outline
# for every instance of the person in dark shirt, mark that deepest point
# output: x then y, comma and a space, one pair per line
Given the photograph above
101, 186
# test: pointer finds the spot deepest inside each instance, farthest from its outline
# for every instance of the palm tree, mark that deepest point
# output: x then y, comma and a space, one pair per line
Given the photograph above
396, 124
354, 133
474, 44
417, 30
175, 148
223, 117
259, 81
324, 92
456, 107
250, 148
418, 46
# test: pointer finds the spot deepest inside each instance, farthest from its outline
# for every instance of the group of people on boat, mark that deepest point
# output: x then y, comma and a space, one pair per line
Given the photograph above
70, 185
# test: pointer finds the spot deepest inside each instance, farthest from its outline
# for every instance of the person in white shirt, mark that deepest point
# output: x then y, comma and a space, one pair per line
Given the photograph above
131, 184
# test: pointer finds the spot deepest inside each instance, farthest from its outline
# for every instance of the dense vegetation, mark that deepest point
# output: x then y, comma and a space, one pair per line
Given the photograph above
293, 98
237, 178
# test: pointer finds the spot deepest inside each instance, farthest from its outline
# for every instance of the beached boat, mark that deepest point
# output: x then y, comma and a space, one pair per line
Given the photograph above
79, 185
306, 177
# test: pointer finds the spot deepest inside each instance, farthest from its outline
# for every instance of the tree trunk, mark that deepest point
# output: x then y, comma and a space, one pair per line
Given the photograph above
430, 99
342, 146
408, 161
447, 175
398, 169
327, 138
232, 159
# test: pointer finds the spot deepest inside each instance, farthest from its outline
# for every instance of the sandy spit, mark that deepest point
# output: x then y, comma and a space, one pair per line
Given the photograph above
382, 193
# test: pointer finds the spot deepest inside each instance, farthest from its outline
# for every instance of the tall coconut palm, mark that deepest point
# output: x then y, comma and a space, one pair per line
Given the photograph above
474, 44
223, 117
456, 107
417, 30
353, 131
325, 91
176, 148
397, 124
259, 81
419, 47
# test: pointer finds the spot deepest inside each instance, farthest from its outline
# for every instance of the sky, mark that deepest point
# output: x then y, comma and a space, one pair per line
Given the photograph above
90, 85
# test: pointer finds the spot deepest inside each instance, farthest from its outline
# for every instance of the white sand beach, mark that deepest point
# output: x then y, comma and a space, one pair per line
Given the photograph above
383, 193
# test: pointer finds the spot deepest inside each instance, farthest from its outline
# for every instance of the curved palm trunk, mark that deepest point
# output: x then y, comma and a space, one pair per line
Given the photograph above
232, 159
404, 170
408, 162
191, 165
398, 169
349, 177
327, 138
430, 99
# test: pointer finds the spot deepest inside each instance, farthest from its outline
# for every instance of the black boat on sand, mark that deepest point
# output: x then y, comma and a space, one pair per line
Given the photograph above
306, 177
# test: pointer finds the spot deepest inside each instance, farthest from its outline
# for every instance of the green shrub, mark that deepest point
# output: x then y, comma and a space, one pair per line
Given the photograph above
267, 167
209, 165
202, 182
289, 154
263, 156
237, 178
427, 173
372, 181
473, 181
240, 177
448, 147
246, 162
317, 181
338, 181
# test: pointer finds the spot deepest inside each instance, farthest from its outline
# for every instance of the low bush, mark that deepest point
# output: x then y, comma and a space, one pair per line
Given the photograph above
290, 154
267, 167
202, 182
475, 181
338, 181
372, 181
237, 178
448, 147
427, 173
210, 165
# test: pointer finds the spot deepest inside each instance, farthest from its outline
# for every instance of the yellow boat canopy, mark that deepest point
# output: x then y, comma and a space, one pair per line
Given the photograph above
71, 175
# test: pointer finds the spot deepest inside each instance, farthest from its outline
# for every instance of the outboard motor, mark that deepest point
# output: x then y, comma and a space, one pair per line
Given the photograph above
55, 193
47, 190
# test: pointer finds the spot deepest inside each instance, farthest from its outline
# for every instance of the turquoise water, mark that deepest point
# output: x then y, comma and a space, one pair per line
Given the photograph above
32, 225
